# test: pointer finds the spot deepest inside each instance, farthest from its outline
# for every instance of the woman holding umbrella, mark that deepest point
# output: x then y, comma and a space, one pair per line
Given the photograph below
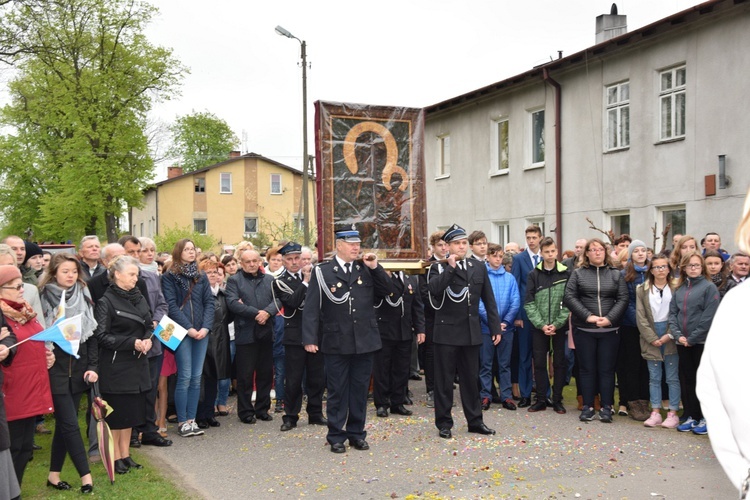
68, 376
25, 383
124, 333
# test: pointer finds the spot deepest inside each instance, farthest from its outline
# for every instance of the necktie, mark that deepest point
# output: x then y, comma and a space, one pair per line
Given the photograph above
461, 265
536, 260
348, 267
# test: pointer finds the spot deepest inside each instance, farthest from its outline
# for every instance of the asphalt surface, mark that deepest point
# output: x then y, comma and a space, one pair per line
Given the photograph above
533, 455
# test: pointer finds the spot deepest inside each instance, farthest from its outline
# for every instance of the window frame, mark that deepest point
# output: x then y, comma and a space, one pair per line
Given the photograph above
535, 221
618, 106
200, 185
222, 177
443, 167
671, 95
205, 225
497, 150
617, 227
532, 140
245, 220
501, 232
662, 218
281, 188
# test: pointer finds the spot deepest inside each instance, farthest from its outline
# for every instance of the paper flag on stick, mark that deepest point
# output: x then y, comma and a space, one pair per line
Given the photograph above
65, 333
169, 332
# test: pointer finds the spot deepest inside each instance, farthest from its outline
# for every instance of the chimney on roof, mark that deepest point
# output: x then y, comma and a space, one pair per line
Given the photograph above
173, 172
610, 25
234, 154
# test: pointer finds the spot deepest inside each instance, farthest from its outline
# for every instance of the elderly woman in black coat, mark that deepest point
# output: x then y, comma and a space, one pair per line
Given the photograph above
124, 332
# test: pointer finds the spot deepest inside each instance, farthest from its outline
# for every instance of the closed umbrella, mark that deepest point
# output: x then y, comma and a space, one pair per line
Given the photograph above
100, 409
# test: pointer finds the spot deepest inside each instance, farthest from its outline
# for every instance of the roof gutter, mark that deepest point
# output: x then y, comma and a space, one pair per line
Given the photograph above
558, 156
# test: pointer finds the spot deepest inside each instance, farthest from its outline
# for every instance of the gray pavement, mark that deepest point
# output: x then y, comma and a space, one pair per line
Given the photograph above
539, 455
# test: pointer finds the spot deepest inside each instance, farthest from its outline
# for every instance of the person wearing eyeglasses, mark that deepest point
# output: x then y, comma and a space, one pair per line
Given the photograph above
691, 312
657, 348
597, 297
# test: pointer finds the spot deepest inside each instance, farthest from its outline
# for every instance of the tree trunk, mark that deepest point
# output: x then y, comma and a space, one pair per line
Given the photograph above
112, 228
91, 226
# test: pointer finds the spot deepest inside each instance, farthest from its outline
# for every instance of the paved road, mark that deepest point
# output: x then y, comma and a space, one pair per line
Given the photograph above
541, 455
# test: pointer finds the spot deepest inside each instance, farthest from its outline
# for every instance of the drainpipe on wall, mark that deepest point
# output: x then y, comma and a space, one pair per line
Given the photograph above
558, 157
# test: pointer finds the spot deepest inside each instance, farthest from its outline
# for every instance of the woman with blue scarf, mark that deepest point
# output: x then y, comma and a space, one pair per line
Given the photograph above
632, 371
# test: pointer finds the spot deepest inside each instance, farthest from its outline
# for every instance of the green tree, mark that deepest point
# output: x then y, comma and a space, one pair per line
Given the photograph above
166, 239
201, 139
86, 78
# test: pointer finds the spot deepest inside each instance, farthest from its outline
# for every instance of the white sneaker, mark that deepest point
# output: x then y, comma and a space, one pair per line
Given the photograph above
186, 430
197, 431
653, 420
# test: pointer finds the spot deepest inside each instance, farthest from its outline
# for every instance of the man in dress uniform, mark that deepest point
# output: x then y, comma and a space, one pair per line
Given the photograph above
290, 288
455, 292
339, 320
400, 318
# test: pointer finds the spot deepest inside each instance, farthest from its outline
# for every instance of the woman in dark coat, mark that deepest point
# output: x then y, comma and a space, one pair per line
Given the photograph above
68, 375
124, 332
218, 364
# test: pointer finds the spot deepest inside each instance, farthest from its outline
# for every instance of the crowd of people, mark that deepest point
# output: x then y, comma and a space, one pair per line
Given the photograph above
508, 326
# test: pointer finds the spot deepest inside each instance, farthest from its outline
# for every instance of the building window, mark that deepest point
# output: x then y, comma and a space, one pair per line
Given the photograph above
275, 183
142, 229
500, 147
299, 222
618, 116
675, 216
672, 103
537, 137
501, 233
251, 225
444, 156
620, 223
199, 226
200, 184
225, 181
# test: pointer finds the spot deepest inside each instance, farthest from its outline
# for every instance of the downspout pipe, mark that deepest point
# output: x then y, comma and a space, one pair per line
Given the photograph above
558, 156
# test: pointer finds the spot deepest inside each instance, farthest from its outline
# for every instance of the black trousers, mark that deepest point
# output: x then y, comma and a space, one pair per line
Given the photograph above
209, 390
428, 355
632, 370
690, 359
254, 360
348, 381
302, 364
391, 372
21, 443
597, 353
464, 360
67, 437
149, 429
541, 348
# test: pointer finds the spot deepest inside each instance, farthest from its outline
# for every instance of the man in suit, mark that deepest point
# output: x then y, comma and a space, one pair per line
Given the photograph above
290, 288
339, 321
523, 264
455, 290
400, 319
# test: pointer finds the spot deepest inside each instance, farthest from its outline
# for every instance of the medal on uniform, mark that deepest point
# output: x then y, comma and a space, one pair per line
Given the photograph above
410, 290
333, 289
338, 285
359, 281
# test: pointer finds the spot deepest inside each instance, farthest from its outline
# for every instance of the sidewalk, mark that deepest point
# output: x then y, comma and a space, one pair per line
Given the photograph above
539, 455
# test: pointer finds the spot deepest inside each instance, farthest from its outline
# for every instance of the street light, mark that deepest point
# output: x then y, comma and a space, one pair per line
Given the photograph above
305, 176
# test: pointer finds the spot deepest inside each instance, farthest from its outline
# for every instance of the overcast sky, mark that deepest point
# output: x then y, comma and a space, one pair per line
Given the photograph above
406, 53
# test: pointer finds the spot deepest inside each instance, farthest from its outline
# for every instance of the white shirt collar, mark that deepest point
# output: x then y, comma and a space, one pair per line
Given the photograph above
342, 263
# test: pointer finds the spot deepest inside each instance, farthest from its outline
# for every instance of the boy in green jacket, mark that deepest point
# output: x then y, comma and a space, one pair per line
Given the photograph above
549, 318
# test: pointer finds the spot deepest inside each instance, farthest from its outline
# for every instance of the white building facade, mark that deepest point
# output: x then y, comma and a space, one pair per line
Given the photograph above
627, 133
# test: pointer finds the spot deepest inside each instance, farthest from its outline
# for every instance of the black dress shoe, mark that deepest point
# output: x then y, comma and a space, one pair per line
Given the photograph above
35, 447
249, 420
121, 467
202, 424
415, 376
408, 401
87, 489
525, 402
132, 463
157, 441
338, 448
445, 433
317, 421
287, 426
265, 417
559, 408
539, 405
61, 485
508, 404
212, 422
381, 412
401, 410
134, 443
360, 444
481, 429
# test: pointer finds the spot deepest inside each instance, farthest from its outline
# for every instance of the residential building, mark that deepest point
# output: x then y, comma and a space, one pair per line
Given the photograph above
231, 200
627, 132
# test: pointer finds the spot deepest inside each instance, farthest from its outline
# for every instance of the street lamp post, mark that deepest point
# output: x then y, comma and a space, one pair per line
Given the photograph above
305, 175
